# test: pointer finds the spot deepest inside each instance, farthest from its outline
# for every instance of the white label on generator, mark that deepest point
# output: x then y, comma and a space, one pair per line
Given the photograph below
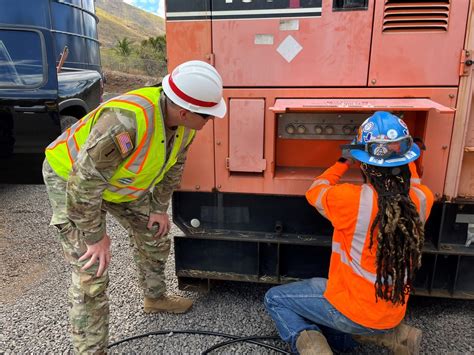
289, 48
263, 39
228, 1
289, 25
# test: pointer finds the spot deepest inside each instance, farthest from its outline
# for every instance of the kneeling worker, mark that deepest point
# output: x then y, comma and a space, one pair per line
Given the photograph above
126, 158
376, 249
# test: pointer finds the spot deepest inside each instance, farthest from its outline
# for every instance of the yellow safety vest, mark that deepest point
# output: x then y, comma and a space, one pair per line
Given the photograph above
146, 166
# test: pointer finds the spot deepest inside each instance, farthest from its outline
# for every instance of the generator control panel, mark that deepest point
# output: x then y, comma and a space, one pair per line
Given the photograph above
327, 126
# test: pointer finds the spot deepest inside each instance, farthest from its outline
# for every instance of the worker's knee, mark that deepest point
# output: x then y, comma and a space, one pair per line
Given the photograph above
271, 297
86, 284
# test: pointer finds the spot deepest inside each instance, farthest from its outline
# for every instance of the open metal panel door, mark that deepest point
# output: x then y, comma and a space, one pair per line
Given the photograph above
292, 42
368, 104
427, 119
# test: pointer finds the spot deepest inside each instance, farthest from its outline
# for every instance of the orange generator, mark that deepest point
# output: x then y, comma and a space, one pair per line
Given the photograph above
300, 76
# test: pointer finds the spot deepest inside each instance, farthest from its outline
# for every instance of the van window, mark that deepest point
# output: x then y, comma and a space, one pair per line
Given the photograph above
21, 59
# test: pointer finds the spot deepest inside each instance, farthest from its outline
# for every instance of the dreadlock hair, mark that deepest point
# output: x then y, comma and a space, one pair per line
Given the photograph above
400, 233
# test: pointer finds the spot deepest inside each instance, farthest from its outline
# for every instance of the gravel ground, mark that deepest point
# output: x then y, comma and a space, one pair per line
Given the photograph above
34, 280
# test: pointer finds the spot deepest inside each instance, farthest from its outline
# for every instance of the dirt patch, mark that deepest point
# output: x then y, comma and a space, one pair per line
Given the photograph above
17, 273
117, 82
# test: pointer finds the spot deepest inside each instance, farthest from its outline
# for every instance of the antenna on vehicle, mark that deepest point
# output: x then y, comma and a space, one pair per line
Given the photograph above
62, 58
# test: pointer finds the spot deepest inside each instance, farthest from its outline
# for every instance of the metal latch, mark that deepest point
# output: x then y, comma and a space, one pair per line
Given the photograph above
466, 62
469, 219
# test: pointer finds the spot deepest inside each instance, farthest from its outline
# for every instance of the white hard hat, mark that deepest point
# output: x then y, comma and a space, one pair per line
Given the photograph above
197, 87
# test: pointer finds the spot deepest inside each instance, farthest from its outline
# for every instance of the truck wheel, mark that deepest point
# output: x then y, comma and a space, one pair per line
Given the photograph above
66, 122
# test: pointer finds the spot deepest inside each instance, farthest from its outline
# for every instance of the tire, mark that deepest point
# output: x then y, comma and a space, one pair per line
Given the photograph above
66, 122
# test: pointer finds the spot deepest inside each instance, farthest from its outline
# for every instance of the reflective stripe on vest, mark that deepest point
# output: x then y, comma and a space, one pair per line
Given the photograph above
183, 137
137, 159
359, 237
319, 201
147, 164
422, 198
336, 248
67, 146
362, 232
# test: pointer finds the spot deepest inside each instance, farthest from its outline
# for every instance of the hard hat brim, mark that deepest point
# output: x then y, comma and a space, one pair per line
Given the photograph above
364, 157
218, 110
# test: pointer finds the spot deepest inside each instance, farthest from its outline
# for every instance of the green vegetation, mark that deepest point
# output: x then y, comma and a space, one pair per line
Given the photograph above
132, 40
147, 58
124, 47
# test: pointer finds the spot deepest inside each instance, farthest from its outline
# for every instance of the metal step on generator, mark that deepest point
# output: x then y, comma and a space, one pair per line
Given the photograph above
299, 77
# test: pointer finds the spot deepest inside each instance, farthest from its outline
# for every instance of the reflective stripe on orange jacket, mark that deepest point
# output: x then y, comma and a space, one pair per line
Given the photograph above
352, 272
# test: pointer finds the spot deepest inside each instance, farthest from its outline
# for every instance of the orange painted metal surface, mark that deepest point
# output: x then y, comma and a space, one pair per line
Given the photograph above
419, 56
466, 183
460, 170
286, 175
188, 40
334, 50
199, 169
295, 175
355, 105
399, 56
246, 125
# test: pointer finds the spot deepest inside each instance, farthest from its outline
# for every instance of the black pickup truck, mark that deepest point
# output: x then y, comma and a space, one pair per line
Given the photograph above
50, 76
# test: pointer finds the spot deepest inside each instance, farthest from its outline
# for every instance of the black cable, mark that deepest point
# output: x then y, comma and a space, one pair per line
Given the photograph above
245, 339
203, 332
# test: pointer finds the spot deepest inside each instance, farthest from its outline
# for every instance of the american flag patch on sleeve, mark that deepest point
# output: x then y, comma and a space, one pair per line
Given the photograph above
124, 142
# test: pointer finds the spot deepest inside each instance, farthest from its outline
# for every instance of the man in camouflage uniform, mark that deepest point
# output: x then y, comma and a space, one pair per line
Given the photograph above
79, 207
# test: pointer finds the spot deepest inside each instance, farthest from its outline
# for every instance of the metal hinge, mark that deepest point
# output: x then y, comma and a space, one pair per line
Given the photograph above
227, 162
466, 62
210, 58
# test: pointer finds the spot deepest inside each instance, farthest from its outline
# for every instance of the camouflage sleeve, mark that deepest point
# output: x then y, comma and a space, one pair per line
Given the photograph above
162, 192
96, 163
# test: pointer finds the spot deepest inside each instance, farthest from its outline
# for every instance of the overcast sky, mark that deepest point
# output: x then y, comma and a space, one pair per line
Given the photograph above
154, 6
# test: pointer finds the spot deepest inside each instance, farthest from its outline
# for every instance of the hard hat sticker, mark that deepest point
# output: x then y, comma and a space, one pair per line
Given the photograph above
392, 134
402, 123
368, 127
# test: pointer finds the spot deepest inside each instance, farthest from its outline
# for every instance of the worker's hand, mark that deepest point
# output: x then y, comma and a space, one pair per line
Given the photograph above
346, 160
99, 251
163, 221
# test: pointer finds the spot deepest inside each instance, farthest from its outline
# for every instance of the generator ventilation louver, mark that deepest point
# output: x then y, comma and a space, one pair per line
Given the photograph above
416, 16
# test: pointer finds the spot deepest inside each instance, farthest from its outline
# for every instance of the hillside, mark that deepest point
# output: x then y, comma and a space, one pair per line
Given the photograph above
118, 20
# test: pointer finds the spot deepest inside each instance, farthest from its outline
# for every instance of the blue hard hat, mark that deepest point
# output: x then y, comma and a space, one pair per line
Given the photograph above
383, 140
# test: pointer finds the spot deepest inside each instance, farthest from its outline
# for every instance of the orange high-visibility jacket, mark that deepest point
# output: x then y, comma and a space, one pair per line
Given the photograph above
352, 271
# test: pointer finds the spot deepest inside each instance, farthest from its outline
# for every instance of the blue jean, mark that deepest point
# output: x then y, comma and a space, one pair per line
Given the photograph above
301, 305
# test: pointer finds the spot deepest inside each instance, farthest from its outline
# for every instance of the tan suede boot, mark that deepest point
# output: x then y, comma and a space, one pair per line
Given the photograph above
404, 340
311, 342
171, 304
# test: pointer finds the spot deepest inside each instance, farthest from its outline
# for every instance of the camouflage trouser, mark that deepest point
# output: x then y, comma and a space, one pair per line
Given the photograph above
89, 308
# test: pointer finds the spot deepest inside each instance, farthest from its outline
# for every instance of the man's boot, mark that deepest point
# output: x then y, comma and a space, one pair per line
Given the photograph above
312, 342
171, 304
404, 340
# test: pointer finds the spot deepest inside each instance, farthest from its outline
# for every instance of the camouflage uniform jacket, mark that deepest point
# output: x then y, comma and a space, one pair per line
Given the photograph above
96, 163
